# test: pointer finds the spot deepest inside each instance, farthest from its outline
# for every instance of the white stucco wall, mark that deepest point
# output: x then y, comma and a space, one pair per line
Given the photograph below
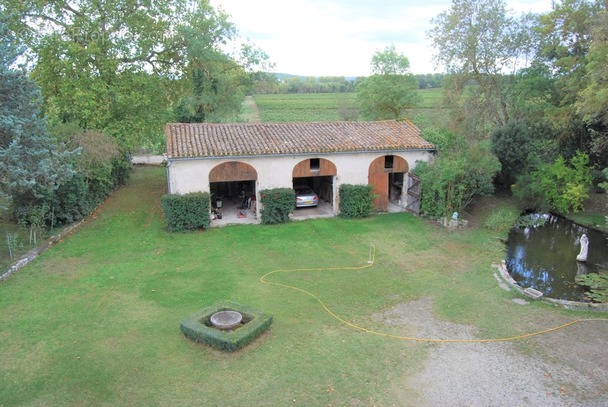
192, 175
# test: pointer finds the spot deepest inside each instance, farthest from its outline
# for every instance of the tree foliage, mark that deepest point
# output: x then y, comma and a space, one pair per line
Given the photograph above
460, 172
390, 90
32, 164
513, 144
544, 72
478, 41
573, 46
562, 185
592, 104
119, 66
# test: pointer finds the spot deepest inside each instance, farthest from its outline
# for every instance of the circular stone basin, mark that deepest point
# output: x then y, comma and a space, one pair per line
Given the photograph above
226, 319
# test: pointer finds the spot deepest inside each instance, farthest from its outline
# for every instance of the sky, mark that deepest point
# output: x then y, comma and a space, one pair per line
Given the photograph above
339, 37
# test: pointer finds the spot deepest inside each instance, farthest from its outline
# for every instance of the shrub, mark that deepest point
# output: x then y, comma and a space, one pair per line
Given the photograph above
502, 220
511, 144
277, 205
356, 201
604, 185
72, 201
461, 172
197, 327
186, 212
561, 186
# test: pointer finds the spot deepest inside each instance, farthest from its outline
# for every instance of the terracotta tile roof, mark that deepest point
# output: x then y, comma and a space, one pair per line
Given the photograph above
192, 140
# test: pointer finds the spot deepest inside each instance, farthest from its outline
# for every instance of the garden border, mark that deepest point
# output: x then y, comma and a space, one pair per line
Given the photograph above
37, 251
571, 305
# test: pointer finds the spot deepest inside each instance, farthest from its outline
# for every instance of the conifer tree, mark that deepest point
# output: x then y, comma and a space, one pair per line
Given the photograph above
32, 164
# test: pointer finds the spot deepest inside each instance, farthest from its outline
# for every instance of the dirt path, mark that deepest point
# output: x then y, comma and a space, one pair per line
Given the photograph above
251, 112
564, 368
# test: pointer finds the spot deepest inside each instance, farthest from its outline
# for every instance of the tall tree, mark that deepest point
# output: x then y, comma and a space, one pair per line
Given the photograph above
108, 64
32, 166
478, 41
217, 82
592, 104
574, 47
390, 90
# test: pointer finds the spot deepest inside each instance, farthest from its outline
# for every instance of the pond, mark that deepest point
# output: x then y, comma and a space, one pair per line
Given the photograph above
544, 257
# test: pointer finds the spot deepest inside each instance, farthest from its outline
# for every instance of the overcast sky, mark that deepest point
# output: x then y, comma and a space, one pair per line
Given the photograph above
339, 37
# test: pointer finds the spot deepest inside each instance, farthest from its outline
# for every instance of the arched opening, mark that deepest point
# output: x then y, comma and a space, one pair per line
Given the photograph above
233, 187
386, 175
319, 175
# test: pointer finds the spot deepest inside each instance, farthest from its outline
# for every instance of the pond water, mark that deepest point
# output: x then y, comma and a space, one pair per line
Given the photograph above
544, 257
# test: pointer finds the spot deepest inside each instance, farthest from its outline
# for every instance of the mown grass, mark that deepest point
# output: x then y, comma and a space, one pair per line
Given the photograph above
95, 320
596, 220
318, 107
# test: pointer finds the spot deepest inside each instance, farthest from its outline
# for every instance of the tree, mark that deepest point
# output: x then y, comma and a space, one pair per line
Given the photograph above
460, 172
116, 65
512, 143
32, 164
390, 90
561, 185
592, 104
478, 42
573, 47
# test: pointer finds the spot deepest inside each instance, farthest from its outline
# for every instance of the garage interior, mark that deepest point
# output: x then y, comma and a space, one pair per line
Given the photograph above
319, 174
233, 193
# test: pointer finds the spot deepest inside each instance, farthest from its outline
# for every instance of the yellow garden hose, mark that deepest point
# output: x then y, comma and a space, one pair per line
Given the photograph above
370, 263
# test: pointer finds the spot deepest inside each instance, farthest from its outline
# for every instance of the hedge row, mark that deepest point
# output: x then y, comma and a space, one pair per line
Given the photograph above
197, 327
356, 201
186, 212
277, 205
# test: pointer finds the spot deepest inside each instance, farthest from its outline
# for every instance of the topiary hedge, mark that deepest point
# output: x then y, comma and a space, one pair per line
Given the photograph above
186, 212
277, 205
197, 327
356, 201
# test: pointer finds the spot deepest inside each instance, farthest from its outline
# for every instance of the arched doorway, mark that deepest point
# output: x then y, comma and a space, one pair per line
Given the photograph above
233, 187
386, 175
319, 174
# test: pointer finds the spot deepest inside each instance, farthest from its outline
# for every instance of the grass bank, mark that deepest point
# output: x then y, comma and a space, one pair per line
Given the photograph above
95, 320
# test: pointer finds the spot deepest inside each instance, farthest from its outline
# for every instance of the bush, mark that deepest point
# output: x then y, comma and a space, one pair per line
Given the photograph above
72, 201
186, 212
277, 205
604, 185
356, 201
562, 185
197, 327
511, 144
502, 220
461, 172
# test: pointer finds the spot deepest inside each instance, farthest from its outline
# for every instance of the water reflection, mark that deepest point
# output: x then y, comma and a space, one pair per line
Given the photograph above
544, 257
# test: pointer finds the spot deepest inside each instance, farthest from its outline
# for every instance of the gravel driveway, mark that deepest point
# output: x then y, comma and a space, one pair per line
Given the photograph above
570, 366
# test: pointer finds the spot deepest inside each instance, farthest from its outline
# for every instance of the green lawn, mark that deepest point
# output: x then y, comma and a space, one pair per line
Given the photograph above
95, 320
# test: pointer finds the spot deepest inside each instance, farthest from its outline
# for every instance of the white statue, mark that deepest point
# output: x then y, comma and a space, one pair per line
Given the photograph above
582, 256
455, 216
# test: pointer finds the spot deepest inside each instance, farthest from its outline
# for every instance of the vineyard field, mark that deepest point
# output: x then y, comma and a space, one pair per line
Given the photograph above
319, 107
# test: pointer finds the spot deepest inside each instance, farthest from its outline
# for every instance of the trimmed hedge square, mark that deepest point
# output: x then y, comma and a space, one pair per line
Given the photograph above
197, 327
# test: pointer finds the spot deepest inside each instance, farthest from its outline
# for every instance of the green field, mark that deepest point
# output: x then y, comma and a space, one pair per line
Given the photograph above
318, 107
95, 320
